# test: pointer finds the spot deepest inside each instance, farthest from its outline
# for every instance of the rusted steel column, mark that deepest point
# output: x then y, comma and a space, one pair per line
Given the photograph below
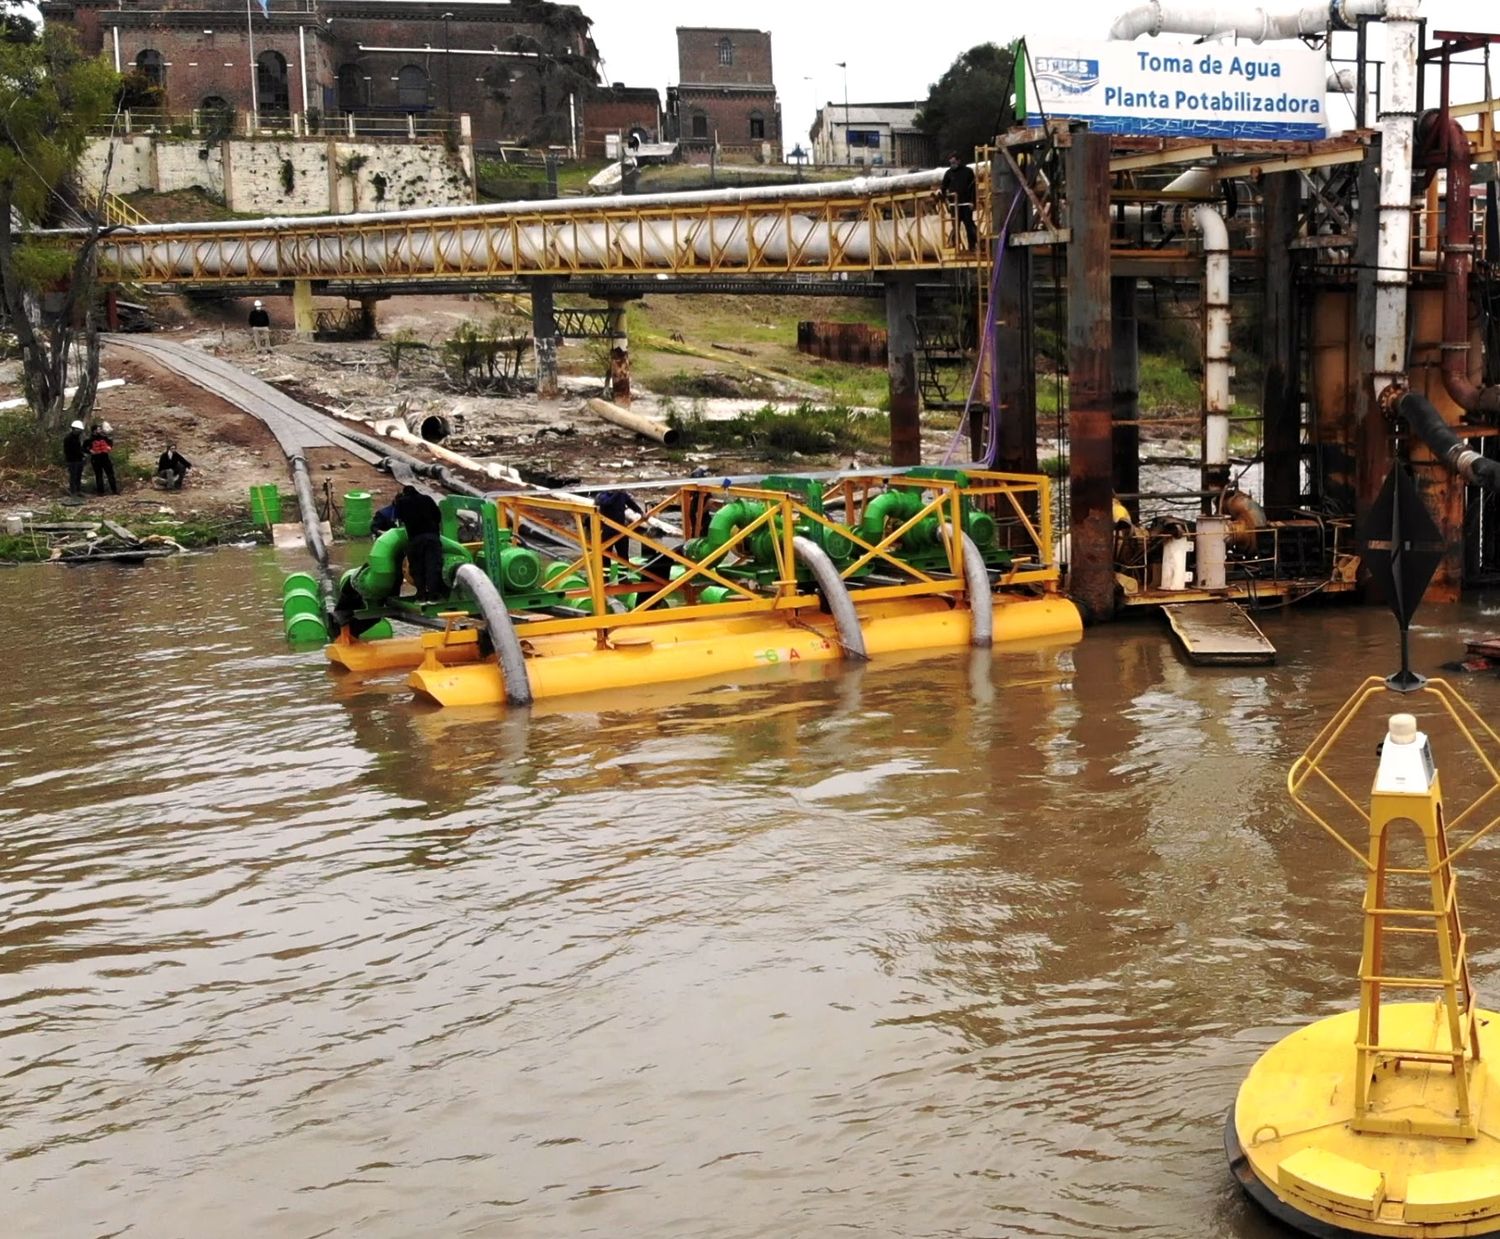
1014, 343
1091, 579
901, 332
1280, 397
619, 352
1126, 368
544, 336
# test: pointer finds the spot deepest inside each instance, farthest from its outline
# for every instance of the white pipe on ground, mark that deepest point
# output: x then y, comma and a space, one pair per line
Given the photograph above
1216, 399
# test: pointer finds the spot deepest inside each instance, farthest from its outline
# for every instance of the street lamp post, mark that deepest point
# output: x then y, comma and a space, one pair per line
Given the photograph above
448, 62
848, 154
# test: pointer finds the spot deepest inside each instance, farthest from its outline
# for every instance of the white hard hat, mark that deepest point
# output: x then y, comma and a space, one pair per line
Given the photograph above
106, 427
76, 426
257, 305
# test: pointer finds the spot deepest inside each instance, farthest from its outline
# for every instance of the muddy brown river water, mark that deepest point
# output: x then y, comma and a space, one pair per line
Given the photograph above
958, 946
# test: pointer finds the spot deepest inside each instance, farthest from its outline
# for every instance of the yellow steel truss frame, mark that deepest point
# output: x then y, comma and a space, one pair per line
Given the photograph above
903, 229
602, 539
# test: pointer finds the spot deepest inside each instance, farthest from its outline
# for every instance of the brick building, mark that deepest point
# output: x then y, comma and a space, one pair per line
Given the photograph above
619, 110
726, 95
520, 69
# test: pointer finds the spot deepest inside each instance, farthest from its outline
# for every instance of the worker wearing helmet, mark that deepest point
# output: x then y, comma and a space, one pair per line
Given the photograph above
260, 328
74, 457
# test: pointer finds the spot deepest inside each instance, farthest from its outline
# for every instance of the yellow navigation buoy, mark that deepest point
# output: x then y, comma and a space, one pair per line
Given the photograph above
1383, 1121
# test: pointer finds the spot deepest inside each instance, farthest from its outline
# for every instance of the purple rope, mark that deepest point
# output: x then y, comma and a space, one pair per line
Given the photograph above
988, 356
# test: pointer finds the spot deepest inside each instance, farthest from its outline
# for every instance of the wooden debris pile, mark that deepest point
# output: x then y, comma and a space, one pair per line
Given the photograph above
96, 541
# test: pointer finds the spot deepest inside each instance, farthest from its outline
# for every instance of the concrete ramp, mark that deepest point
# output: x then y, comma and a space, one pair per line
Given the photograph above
1219, 634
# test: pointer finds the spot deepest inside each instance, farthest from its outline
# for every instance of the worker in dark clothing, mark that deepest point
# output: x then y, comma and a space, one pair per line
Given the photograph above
420, 517
959, 191
73, 457
172, 467
260, 328
384, 519
100, 445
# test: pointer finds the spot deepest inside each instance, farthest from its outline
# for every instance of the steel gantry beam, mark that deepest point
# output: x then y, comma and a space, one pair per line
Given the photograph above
866, 225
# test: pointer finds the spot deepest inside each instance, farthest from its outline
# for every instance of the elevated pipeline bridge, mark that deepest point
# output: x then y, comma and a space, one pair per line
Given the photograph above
867, 226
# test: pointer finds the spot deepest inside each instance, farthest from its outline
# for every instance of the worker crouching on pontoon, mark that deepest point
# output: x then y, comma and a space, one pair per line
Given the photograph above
423, 522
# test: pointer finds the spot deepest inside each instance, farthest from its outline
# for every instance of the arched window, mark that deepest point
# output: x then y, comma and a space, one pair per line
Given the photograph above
272, 91
726, 51
352, 92
150, 66
216, 112
411, 89
700, 124
757, 126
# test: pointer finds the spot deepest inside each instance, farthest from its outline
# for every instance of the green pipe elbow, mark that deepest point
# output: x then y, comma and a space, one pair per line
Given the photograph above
726, 521
380, 577
897, 505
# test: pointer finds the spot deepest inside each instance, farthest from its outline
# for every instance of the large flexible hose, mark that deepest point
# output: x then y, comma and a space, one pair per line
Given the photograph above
977, 582
312, 529
501, 631
1446, 446
836, 594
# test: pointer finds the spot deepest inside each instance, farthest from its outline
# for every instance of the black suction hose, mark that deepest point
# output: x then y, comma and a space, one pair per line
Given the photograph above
1429, 425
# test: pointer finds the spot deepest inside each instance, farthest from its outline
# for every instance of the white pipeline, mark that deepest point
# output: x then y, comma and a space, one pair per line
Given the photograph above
1393, 243
1258, 23
460, 240
1216, 398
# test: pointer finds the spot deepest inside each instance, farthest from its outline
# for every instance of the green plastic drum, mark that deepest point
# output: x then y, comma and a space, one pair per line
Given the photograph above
301, 602
265, 504
299, 581
306, 630
359, 514
381, 631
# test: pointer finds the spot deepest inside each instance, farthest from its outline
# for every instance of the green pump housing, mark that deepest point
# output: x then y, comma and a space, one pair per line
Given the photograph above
922, 545
755, 559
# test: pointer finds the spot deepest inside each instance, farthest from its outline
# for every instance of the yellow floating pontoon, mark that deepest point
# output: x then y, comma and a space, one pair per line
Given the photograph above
727, 579
568, 663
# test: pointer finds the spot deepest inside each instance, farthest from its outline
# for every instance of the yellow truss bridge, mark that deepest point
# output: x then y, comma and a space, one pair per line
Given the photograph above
867, 225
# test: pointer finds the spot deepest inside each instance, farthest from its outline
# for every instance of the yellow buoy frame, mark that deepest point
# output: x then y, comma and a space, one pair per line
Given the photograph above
1383, 1121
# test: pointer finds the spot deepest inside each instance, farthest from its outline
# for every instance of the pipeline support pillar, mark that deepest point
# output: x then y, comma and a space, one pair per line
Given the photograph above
1091, 577
1372, 434
1126, 395
304, 319
544, 337
1280, 405
619, 352
1014, 343
901, 331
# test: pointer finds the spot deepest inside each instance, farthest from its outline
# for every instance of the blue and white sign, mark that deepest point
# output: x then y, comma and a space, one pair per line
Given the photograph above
1155, 89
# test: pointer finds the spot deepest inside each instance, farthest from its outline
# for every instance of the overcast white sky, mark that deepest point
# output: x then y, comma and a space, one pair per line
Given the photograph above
894, 51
